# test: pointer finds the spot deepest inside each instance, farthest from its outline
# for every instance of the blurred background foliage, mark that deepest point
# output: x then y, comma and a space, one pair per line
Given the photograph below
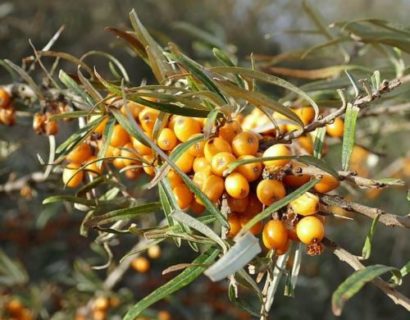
55, 260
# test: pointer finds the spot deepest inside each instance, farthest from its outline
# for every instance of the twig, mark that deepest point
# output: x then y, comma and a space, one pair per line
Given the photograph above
386, 218
15, 185
353, 261
386, 110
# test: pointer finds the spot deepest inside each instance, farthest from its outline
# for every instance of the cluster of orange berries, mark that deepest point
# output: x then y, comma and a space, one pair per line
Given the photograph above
17, 311
249, 188
7, 111
99, 308
142, 264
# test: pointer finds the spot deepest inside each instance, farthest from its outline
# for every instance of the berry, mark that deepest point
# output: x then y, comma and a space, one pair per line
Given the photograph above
92, 166
167, 139
275, 235
268, 191
154, 251
119, 136
4, 99
234, 225
174, 178
141, 148
251, 171
277, 150
326, 184
213, 187
336, 128
221, 161
197, 149
147, 118
229, 130
237, 186
238, 205
183, 196
200, 164
245, 143
214, 146
310, 230
70, 178
186, 127
307, 204
185, 162
80, 153
141, 264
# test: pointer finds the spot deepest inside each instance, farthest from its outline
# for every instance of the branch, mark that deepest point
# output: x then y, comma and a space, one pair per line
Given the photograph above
386, 110
388, 219
353, 261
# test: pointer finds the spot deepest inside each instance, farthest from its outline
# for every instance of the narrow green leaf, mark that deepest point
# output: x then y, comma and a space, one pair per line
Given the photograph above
72, 85
320, 134
367, 247
405, 270
122, 214
131, 40
180, 281
349, 135
72, 199
353, 284
294, 272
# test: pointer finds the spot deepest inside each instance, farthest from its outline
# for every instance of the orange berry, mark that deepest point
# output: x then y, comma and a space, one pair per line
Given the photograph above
229, 130
200, 176
100, 127
336, 128
4, 99
256, 228
164, 315
186, 127
154, 251
197, 149
101, 303
254, 205
133, 173
221, 161
295, 181
70, 178
306, 114
236, 185
200, 164
174, 178
94, 167
14, 307
134, 108
214, 146
310, 229
185, 162
141, 264
251, 171
129, 155
245, 143
167, 139
141, 148
284, 249
149, 166
238, 205
51, 128
306, 143
119, 136
171, 121
197, 208
275, 235
234, 225
307, 204
183, 196
80, 153
8, 116
326, 184
118, 163
213, 187
277, 150
268, 191
147, 118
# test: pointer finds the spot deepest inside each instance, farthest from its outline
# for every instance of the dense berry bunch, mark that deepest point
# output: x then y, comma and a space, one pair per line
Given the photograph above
247, 188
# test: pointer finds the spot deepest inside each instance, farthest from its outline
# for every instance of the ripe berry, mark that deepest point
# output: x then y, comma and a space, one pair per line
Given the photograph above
141, 148
256, 228
200, 164
213, 187
238, 205
269, 191
197, 149
236, 185
197, 208
8, 116
80, 153
200, 176
306, 143
133, 107
4, 99
245, 143
141, 264
306, 114
70, 178
154, 251
229, 130
119, 136
275, 235
295, 181
310, 229
167, 139
101, 303
186, 127
336, 128
254, 206
94, 167
185, 162
234, 225
305, 205
148, 166
251, 171
51, 127
214, 146
129, 155
277, 150
133, 173
100, 127
221, 161
183, 196
326, 184
174, 178
147, 118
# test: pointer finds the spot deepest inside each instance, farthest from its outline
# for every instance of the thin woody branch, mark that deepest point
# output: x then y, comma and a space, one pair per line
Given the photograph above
353, 261
386, 218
